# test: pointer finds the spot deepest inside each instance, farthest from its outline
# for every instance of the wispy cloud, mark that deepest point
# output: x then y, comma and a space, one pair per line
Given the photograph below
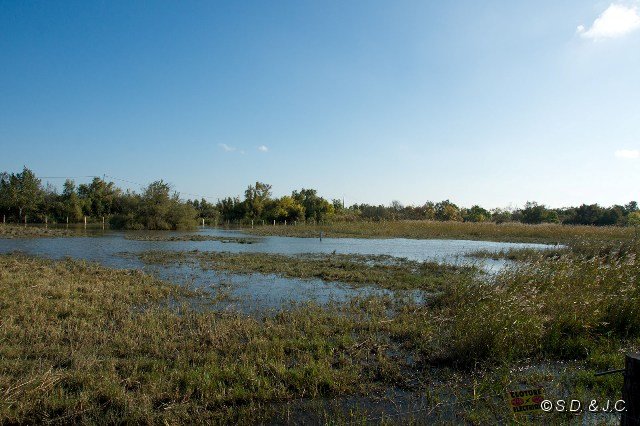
629, 154
616, 21
263, 148
226, 147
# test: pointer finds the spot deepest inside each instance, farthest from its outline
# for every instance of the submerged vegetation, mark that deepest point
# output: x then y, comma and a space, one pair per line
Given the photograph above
192, 237
384, 271
83, 343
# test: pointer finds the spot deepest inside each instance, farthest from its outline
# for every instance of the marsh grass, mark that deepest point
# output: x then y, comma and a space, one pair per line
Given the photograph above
583, 248
517, 254
384, 271
563, 307
83, 343
86, 344
20, 231
509, 232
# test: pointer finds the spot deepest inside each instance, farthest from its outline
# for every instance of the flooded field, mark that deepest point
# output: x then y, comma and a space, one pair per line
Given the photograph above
369, 330
255, 291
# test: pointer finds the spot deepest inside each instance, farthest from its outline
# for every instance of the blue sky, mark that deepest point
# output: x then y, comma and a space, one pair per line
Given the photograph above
494, 103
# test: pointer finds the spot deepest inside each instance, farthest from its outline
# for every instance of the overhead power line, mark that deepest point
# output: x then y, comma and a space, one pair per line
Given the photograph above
104, 176
65, 177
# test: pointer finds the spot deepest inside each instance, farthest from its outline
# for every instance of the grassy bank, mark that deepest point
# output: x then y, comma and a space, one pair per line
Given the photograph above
510, 232
21, 231
384, 271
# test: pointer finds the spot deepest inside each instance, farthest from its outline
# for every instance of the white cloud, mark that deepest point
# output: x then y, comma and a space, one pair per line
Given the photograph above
630, 154
263, 148
616, 21
226, 147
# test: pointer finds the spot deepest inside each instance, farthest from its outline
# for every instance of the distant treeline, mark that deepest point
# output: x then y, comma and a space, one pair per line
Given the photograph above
159, 207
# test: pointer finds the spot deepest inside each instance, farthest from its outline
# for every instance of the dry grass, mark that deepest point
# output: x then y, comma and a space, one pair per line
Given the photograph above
21, 231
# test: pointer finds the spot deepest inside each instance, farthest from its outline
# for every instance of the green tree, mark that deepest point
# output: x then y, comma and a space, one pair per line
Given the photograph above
22, 192
256, 198
537, 213
501, 215
286, 208
476, 214
446, 210
315, 207
633, 219
158, 209
100, 197
72, 205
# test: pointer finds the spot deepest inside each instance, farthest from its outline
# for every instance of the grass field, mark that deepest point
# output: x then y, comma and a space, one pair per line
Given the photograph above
84, 343
508, 232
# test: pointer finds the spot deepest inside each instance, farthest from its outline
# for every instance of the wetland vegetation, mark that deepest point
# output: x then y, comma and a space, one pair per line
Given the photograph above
384, 271
84, 343
192, 237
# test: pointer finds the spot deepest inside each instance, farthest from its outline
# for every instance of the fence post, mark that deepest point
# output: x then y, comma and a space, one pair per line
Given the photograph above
46, 222
85, 222
103, 223
631, 390
251, 223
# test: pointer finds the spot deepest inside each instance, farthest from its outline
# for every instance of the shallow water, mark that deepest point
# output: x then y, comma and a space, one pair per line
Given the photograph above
255, 291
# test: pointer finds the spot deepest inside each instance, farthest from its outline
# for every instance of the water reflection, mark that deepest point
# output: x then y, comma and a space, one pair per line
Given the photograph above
255, 291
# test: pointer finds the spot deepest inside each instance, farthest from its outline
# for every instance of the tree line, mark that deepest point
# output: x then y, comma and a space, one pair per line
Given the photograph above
23, 197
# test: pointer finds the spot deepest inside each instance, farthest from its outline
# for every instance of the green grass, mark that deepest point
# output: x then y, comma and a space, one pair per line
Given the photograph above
511, 232
384, 271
